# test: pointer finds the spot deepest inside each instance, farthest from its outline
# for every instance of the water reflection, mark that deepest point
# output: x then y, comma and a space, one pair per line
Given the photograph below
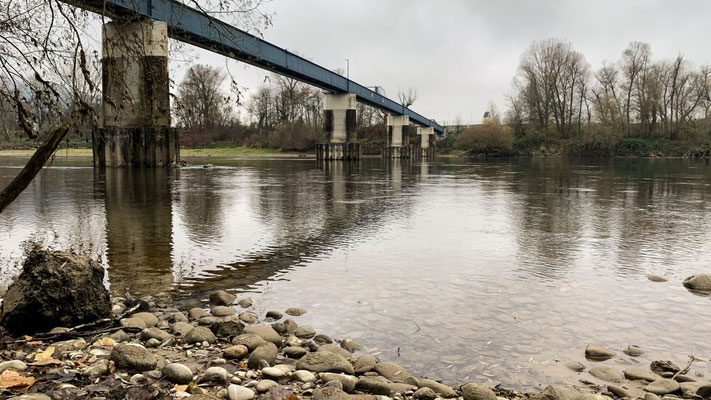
504, 266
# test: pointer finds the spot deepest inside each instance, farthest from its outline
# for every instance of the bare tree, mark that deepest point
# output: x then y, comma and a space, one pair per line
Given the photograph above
634, 62
407, 97
201, 103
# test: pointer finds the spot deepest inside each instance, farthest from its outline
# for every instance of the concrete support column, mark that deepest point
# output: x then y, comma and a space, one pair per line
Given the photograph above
397, 140
426, 142
339, 125
136, 105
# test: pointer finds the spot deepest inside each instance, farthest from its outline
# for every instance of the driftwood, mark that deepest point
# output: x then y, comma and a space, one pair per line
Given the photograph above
33, 166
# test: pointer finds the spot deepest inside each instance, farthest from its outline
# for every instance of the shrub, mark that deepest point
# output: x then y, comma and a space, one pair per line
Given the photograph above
490, 138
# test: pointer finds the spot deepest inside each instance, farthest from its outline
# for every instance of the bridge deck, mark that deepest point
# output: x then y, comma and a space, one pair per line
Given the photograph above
195, 27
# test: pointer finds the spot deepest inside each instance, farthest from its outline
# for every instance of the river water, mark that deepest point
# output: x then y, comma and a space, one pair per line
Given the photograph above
496, 272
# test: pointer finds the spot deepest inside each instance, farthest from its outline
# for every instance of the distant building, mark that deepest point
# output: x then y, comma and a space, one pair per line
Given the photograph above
487, 116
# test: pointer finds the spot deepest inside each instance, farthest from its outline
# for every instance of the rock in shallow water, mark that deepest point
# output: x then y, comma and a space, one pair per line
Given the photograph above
474, 391
392, 372
606, 373
575, 366
424, 393
633, 351
295, 311
698, 282
439, 388
222, 298
662, 386
325, 362
597, 352
656, 278
634, 373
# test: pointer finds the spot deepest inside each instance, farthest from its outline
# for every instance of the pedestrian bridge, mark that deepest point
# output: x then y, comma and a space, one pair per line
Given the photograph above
135, 81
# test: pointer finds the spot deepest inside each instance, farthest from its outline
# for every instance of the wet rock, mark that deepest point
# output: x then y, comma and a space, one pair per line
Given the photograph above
325, 362
698, 282
664, 366
265, 384
656, 278
265, 332
236, 352
273, 373
248, 317
209, 320
392, 372
348, 382
304, 332
274, 314
72, 345
474, 391
424, 393
148, 318
214, 374
295, 352
365, 363
16, 365
633, 351
322, 339
245, 303
335, 349
154, 333
303, 376
222, 298
336, 384
236, 392
182, 328
681, 378
401, 387
651, 396
133, 323
228, 328
439, 388
178, 317
374, 385
694, 389
330, 393
351, 345
177, 373
311, 346
597, 352
295, 311
197, 313
200, 334
662, 386
634, 373
619, 391
132, 357
607, 374
575, 366
55, 289
557, 393
31, 396
119, 336
290, 325
266, 352
250, 340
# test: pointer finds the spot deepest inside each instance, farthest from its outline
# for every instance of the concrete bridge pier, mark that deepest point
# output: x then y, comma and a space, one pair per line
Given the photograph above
397, 139
426, 142
339, 125
136, 128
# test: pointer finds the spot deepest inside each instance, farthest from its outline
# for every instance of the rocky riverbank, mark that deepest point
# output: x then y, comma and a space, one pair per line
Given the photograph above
227, 351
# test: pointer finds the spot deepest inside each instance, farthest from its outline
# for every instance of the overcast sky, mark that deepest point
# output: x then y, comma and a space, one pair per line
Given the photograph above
462, 54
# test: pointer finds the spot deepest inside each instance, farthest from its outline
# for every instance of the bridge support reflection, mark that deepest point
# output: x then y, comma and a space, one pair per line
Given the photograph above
139, 229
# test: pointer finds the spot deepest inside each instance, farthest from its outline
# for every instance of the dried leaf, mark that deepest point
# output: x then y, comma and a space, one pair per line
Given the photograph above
11, 379
44, 354
46, 361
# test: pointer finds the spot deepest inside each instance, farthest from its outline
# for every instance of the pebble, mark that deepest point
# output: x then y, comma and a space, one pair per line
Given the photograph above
662, 386
348, 382
197, 313
177, 373
266, 352
148, 318
273, 373
274, 314
633, 351
619, 391
265, 332
222, 298
295, 311
214, 374
656, 278
304, 332
237, 351
365, 363
392, 372
13, 364
248, 317
597, 352
374, 385
325, 362
303, 376
295, 352
330, 393
236, 392
99, 368
265, 384
606, 373
474, 391
132, 357
290, 325
698, 282
245, 303
575, 366
133, 323
182, 328
200, 334
222, 311
439, 388
351, 345
634, 373
154, 333
424, 393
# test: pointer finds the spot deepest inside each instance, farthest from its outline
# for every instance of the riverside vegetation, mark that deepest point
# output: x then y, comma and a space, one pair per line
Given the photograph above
153, 349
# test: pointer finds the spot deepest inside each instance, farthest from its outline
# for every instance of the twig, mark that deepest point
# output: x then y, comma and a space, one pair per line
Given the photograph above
686, 369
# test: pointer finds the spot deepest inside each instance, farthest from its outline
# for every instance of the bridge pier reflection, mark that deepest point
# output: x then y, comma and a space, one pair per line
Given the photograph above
139, 229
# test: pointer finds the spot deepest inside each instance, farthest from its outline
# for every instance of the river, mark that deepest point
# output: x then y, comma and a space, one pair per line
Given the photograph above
491, 271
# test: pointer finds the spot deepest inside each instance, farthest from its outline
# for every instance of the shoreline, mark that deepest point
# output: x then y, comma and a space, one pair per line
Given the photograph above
227, 350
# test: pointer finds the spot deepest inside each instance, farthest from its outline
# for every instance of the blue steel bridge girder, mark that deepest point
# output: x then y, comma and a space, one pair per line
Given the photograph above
197, 28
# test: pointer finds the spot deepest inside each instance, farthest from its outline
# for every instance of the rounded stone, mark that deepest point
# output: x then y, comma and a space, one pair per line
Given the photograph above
177, 373
597, 352
200, 334
304, 332
698, 282
248, 317
348, 382
236, 392
250, 340
265, 332
295, 311
274, 314
325, 362
606, 373
424, 393
295, 352
245, 303
303, 376
265, 353
633, 351
575, 366
392, 372
656, 278
365, 363
374, 384
662, 386
214, 374
474, 391
351, 345
265, 384
132, 357
222, 298
154, 333
330, 393
133, 323
439, 388
222, 311
182, 328
335, 349
148, 318
634, 373
273, 373
237, 351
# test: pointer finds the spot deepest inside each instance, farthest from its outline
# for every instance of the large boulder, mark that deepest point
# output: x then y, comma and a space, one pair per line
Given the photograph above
700, 282
55, 288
